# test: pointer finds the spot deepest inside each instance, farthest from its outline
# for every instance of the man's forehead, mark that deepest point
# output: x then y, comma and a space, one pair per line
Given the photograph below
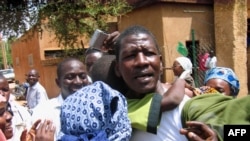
137, 37
74, 64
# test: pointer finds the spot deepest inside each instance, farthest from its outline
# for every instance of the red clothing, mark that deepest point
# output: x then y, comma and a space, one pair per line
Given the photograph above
202, 61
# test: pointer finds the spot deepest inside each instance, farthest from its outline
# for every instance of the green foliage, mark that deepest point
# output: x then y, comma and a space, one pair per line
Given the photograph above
16, 18
70, 20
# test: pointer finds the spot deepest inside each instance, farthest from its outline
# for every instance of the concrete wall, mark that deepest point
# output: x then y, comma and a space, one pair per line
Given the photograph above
230, 38
178, 21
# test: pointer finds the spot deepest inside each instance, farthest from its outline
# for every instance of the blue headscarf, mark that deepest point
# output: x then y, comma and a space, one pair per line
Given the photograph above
225, 74
95, 112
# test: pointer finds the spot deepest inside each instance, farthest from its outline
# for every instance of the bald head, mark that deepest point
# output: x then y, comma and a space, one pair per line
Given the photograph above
32, 77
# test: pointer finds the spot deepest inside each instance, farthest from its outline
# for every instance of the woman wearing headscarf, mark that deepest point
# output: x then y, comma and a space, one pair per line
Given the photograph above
220, 80
182, 68
224, 80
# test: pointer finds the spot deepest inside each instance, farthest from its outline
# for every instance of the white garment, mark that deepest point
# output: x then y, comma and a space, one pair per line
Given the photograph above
49, 110
211, 62
185, 63
168, 129
21, 119
35, 95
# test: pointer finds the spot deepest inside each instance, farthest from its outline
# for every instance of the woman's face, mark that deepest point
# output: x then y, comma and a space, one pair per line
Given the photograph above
220, 85
5, 120
177, 68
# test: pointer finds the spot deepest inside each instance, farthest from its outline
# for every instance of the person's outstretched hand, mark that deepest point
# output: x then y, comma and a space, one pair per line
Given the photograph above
40, 131
199, 131
30, 135
45, 131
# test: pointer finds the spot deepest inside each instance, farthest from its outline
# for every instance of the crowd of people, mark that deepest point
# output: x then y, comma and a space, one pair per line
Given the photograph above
117, 94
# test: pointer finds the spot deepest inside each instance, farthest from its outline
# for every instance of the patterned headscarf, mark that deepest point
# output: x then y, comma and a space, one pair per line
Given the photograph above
225, 74
185, 63
93, 112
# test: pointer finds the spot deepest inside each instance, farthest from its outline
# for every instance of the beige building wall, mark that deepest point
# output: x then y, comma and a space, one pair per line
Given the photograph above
230, 38
179, 20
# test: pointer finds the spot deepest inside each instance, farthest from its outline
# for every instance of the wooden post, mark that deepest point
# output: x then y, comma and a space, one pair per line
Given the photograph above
2, 46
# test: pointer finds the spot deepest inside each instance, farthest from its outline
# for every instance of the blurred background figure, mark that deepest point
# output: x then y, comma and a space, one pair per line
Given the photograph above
211, 60
91, 56
182, 68
19, 91
203, 56
36, 93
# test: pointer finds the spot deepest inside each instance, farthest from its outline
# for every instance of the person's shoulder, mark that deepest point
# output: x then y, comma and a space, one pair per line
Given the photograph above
38, 84
53, 101
15, 105
47, 107
21, 110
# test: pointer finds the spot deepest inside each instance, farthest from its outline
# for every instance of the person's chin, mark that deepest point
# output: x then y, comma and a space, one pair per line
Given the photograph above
9, 134
147, 89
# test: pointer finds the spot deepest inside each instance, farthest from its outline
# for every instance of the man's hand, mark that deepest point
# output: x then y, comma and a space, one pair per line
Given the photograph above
110, 40
199, 131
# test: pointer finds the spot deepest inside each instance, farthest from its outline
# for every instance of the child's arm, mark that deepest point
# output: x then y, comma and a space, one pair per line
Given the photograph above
174, 95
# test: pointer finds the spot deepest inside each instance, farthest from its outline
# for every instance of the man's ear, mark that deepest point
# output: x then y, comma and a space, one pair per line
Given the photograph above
117, 71
161, 65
